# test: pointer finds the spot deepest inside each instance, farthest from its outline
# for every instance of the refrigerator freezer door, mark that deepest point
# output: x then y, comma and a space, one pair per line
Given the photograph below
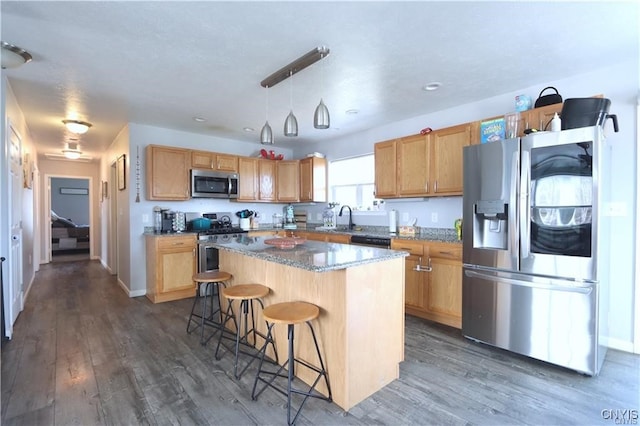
552, 320
490, 215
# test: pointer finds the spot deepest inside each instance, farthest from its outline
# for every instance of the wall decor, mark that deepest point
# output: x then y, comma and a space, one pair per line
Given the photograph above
27, 171
74, 191
122, 174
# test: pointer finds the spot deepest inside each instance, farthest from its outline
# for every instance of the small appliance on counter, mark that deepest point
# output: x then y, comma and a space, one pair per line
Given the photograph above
167, 220
289, 217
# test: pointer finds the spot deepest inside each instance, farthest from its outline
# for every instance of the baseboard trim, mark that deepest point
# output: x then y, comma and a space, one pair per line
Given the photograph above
134, 293
620, 345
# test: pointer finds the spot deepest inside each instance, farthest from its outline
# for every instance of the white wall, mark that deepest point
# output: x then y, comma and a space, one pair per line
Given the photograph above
617, 82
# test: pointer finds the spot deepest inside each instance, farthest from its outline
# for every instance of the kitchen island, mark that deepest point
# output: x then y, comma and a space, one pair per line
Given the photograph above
360, 292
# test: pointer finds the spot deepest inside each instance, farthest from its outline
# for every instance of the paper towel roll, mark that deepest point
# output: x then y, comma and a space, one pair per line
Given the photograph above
393, 221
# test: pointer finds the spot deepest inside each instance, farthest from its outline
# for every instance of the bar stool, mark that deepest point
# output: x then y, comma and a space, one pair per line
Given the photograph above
246, 294
208, 288
291, 313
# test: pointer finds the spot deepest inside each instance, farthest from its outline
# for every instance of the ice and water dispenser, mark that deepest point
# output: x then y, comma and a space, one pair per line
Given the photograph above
491, 224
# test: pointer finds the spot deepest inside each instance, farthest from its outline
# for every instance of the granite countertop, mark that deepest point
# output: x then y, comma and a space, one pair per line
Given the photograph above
444, 235
313, 256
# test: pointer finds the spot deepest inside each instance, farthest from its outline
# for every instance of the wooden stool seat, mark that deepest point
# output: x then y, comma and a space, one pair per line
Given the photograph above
208, 289
291, 312
245, 291
212, 277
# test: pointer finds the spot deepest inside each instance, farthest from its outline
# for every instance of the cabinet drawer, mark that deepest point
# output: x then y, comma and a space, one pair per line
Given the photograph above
415, 248
446, 251
172, 242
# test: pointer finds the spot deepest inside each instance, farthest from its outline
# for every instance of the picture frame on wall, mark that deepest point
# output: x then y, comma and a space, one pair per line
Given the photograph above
121, 168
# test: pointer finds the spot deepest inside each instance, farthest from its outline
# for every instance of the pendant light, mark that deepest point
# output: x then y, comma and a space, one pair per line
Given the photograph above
291, 123
321, 119
266, 134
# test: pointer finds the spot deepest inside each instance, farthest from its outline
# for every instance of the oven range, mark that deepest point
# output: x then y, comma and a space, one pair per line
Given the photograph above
221, 231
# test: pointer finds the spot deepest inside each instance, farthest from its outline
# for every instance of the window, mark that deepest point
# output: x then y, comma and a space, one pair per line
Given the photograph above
351, 182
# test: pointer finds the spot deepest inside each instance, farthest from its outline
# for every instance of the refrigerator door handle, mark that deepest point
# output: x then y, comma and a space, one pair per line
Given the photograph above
548, 285
525, 210
513, 212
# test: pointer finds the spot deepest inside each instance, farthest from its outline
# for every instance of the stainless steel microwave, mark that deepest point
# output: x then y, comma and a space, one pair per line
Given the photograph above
209, 184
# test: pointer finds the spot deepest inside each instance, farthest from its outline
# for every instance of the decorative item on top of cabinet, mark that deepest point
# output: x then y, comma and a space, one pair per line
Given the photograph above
313, 180
167, 173
287, 178
171, 264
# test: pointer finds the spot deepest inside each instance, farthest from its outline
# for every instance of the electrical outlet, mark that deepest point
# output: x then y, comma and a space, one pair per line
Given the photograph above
434, 217
405, 217
145, 218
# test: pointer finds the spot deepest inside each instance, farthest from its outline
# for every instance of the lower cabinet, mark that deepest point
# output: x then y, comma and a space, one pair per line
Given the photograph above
433, 280
171, 264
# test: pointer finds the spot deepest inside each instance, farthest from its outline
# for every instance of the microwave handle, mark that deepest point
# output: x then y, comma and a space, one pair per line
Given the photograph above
228, 186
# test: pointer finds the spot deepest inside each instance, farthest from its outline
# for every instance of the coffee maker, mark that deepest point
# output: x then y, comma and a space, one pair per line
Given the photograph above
289, 217
167, 220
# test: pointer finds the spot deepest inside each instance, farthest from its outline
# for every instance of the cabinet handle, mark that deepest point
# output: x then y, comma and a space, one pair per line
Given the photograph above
426, 186
421, 268
435, 186
178, 244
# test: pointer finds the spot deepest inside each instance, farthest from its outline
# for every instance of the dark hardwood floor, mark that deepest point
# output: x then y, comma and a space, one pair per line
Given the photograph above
85, 354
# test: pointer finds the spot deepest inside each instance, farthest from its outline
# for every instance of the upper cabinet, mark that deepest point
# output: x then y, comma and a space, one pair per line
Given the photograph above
214, 161
266, 180
167, 173
288, 176
423, 165
386, 166
445, 162
248, 179
313, 180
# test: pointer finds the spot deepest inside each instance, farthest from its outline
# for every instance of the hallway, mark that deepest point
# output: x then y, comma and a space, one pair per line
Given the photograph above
84, 353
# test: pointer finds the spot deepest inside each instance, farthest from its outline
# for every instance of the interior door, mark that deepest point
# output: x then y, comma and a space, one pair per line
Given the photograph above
13, 286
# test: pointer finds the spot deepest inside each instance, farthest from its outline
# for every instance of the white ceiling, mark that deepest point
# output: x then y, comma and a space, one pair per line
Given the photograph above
161, 63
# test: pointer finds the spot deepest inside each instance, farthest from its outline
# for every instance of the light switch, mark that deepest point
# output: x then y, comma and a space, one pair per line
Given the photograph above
145, 218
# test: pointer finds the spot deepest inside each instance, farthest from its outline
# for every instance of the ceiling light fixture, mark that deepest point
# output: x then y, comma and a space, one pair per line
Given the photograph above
77, 126
266, 134
199, 119
291, 123
72, 152
13, 56
432, 86
321, 118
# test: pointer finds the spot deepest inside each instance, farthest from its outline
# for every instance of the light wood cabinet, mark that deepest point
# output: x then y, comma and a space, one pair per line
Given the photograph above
167, 173
214, 161
445, 157
313, 180
412, 165
171, 264
288, 180
267, 180
386, 166
433, 280
539, 118
248, 175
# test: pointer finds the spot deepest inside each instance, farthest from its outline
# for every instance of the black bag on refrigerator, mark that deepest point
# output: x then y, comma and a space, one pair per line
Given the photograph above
544, 100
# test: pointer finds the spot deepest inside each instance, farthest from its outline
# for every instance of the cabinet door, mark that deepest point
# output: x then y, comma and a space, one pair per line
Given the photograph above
177, 269
287, 173
313, 179
248, 176
267, 180
226, 163
413, 177
167, 173
415, 281
446, 157
385, 169
444, 298
202, 160
338, 238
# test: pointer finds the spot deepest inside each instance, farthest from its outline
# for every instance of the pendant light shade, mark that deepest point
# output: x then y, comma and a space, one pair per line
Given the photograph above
291, 125
266, 134
321, 119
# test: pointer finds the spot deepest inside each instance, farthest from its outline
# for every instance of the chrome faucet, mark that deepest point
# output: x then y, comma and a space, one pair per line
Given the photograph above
350, 220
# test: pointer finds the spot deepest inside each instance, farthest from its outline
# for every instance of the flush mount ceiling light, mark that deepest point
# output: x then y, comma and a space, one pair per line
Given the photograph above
77, 126
13, 56
430, 87
72, 152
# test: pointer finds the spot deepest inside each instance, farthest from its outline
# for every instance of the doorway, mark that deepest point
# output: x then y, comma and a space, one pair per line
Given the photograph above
69, 209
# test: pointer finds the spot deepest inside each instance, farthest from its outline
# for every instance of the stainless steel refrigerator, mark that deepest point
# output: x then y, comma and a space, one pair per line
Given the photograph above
536, 245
